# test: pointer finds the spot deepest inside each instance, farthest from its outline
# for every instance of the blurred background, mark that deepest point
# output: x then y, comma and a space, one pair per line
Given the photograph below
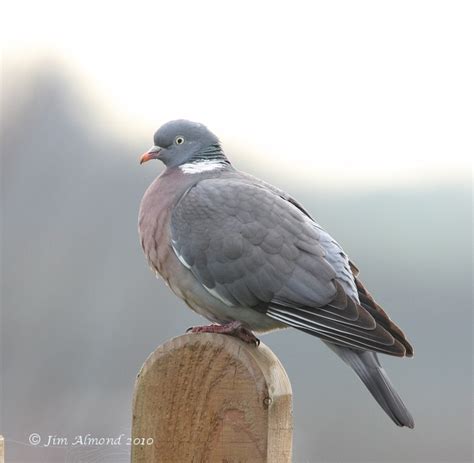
361, 110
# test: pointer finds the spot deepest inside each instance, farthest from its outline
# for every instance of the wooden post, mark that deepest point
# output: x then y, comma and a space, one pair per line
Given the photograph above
205, 398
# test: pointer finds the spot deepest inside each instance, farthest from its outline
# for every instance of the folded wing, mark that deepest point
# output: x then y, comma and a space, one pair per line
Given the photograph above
250, 247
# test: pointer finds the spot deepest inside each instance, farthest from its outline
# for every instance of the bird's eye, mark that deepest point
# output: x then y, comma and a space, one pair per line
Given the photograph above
179, 140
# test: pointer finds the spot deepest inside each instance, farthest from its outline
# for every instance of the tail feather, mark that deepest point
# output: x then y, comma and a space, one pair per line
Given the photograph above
368, 368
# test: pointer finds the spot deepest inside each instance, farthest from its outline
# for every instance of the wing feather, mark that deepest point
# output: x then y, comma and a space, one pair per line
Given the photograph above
251, 247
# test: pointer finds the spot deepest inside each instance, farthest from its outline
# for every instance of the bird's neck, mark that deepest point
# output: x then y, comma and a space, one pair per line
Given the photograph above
210, 158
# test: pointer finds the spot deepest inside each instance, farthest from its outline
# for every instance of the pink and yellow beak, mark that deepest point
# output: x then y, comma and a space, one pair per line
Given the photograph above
152, 153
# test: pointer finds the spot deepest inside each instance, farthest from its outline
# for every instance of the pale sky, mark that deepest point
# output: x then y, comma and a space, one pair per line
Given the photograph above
365, 92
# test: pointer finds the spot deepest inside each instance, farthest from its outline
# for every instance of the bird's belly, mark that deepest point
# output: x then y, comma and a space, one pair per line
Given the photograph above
163, 261
184, 284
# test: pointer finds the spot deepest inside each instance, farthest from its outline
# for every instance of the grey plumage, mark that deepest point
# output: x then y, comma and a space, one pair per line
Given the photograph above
367, 366
238, 249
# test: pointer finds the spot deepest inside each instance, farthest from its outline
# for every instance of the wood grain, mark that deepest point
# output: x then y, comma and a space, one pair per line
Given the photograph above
212, 398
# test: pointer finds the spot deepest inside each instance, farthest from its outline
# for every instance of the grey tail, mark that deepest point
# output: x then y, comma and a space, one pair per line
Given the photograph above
368, 368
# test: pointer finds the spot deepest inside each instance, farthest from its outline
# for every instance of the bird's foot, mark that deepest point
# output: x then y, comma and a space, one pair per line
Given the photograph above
234, 328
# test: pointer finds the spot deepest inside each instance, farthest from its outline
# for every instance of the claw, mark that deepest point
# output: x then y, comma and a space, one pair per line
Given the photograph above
234, 328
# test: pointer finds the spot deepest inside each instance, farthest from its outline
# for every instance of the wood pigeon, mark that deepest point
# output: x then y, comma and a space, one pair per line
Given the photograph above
250, 258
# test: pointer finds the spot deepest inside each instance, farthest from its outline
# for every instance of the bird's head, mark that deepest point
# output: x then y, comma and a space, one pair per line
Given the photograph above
181, 142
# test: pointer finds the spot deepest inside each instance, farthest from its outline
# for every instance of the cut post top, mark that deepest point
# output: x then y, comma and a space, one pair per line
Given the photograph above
211, 397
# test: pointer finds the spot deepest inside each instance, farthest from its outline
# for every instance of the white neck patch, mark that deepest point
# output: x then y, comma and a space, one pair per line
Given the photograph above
202, 166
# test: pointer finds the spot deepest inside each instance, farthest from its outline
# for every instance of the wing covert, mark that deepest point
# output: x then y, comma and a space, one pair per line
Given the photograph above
249, 245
